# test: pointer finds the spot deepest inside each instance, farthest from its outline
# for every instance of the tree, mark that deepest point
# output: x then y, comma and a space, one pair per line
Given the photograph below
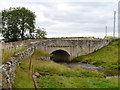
40, 33
17, 23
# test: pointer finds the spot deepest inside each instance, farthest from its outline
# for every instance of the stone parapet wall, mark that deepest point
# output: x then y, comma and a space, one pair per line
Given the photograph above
15, 45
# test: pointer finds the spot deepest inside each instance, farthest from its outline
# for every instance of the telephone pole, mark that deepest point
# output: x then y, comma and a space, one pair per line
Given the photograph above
119, 19
114, 24
105, 31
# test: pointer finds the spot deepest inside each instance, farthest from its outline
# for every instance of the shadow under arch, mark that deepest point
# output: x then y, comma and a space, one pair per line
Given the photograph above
60, 56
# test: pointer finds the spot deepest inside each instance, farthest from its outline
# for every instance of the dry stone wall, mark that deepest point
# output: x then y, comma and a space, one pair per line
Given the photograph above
7, 70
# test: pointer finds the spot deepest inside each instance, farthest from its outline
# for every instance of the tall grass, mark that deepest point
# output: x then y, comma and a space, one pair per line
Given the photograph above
23, 79
6, 54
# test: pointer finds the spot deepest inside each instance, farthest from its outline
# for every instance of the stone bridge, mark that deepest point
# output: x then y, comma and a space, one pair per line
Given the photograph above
65, 50
62, 50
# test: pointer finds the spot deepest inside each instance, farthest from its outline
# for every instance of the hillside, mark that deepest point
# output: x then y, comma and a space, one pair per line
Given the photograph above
106, 57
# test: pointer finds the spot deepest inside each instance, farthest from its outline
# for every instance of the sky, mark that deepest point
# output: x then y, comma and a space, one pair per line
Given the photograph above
70, 18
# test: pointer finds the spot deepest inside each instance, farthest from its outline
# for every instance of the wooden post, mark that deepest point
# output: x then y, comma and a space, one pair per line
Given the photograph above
34, 80
32, 69
30, 62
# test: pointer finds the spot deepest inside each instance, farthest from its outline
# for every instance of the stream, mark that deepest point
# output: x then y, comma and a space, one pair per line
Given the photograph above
108, 72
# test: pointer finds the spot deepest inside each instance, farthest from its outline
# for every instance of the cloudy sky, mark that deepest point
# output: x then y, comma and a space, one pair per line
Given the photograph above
70, 18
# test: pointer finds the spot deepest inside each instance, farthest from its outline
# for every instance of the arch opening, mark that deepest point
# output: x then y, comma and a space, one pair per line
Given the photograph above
60, 56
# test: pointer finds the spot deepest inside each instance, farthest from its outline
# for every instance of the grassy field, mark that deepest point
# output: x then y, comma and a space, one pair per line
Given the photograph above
76, 82
58, 76
106, 57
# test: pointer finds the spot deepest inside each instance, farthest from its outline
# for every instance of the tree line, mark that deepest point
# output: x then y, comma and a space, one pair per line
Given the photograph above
19, 24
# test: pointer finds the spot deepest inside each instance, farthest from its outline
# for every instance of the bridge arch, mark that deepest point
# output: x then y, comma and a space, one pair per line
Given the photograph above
60, 55
55, 49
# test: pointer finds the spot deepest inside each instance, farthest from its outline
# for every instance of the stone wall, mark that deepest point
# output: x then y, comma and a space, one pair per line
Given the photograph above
7, 70
15, 45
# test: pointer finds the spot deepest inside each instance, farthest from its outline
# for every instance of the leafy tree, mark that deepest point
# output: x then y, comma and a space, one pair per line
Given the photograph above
17, 23
40, 33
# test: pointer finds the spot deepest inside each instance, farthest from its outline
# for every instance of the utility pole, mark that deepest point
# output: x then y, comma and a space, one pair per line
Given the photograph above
119, 19
105, 31
114, 24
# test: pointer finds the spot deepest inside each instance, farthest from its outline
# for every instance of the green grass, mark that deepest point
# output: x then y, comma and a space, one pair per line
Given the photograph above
52, 68
40, 53
23, 79
64, 77
59, 76
106, 57
6, 54
105, 83
76, 82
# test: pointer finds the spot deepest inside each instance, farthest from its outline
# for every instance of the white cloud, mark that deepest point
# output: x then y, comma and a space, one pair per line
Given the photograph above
70, 18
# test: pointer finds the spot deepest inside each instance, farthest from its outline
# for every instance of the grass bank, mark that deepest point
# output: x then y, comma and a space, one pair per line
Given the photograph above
58, 76
106, 57
52, 68
23, 79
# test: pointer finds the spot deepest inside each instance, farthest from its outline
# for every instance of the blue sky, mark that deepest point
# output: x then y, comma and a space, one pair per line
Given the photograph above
70, 18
